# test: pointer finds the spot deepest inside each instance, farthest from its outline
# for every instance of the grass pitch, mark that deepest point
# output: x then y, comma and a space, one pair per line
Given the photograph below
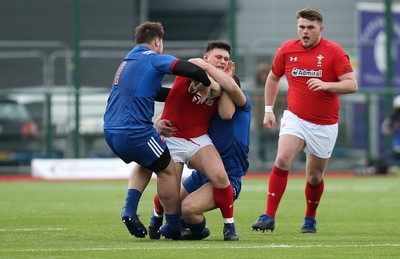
358, 218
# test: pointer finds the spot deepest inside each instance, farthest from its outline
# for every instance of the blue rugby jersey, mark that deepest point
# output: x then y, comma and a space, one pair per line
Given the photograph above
232, 139
135, 86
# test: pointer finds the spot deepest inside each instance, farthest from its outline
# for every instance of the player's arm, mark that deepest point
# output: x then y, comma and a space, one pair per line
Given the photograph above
188, 69
226, 107
271, 89
270, 94
347, 84
215, 88
196, 73
225, 80
162, 94
164, 127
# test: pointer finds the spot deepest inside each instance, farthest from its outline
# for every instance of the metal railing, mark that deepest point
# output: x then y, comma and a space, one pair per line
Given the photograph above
361, 114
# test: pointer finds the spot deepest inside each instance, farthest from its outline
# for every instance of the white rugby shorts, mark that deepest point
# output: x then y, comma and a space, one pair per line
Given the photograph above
320, 139
182, 150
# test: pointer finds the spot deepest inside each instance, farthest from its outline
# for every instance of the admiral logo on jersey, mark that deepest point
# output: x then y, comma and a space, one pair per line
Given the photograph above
304, 72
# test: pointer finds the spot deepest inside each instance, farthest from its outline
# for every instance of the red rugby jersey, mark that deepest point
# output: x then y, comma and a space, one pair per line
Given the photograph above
191, 119
326, 61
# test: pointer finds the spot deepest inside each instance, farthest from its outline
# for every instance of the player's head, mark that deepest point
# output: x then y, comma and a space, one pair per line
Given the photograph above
152, 34
309, 26
218, 54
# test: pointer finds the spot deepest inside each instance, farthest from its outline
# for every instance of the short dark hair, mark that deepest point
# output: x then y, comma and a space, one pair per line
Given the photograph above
147, 31
216, 44
310, 13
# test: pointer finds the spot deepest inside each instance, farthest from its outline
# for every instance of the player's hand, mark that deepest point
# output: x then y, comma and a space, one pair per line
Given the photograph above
165, 128
269, 120
193, 87
230, 68
315, 84
201, 94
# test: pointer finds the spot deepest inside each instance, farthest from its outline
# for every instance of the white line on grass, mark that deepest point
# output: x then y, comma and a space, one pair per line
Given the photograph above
198, 247
30, 229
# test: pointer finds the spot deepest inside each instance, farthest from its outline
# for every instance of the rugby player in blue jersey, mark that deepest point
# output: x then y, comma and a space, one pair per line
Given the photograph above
128, 125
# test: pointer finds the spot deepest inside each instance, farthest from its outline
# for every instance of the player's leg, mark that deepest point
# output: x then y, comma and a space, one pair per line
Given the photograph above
314, 188
192, 209
320, 143
138, 180
199, 198
131, 148
288, 147
168, 187
152, 153
157, 213
208, 161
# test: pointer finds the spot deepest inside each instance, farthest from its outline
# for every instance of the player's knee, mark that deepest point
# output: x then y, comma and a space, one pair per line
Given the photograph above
283, 162
219, 180
314, 177
187, 208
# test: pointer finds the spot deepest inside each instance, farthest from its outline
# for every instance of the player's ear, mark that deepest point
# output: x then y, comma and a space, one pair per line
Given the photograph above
205, 57
157, 42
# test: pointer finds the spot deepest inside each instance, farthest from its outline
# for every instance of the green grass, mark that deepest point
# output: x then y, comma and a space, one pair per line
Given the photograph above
357, 218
